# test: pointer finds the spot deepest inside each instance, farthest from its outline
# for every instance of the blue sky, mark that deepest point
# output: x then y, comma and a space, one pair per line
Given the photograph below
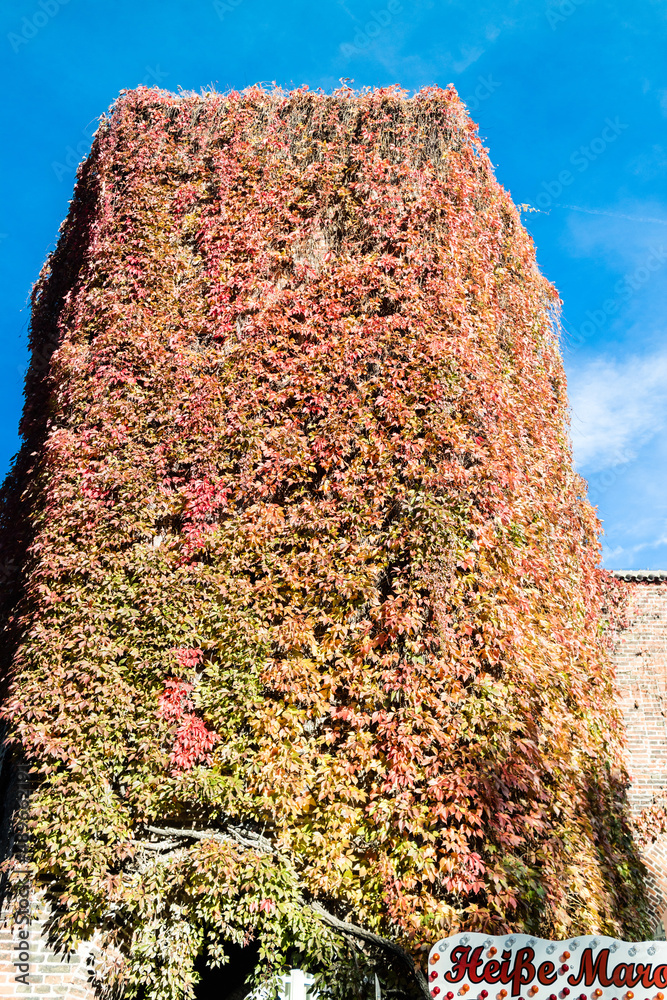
571, 99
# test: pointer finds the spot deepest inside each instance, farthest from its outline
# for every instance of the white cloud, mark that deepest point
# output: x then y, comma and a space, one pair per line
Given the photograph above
625, 556
616, 409
634, 549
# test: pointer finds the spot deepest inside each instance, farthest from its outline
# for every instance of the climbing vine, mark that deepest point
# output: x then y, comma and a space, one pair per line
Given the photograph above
310, 626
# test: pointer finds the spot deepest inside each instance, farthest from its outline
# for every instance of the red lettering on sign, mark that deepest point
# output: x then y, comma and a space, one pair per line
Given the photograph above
635, 973
546, 974
660, 977
492, 971
505, 974
524, 970
465, 964
473, 965
590, 971
619, 976
643, 974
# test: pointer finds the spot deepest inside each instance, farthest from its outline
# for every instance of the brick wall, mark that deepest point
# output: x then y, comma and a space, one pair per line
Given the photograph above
51, 975
641, 671
641, 664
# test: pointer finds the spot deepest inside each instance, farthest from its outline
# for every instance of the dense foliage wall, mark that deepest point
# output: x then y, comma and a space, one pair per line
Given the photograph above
310, 610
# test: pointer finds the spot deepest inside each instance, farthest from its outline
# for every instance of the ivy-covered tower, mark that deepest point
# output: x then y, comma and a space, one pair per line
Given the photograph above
307, 642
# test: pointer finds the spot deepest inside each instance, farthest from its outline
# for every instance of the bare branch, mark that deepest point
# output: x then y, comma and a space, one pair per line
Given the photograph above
343, 927
151, 845
246, 838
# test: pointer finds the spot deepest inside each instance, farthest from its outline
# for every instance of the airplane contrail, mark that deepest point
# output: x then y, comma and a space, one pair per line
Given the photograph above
614, 215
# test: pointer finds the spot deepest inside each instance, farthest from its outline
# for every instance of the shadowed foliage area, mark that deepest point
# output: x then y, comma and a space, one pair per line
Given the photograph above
308, 643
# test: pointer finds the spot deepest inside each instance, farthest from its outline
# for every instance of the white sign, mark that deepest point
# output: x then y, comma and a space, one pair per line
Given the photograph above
294, 985
480, 967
